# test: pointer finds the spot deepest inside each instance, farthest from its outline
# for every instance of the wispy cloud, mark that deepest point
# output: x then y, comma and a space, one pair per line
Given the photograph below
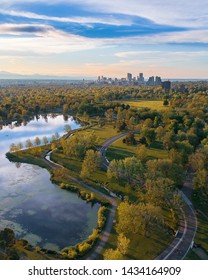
107, 20
177, 13
45, 39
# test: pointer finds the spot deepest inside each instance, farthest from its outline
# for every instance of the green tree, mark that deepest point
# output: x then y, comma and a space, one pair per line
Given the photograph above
28, 143
37, 141
91, 163
133, 169
111, 254
45, 140
123, 243
201, 180
138, 218
115, 169
67, 128
141, 152
165, 168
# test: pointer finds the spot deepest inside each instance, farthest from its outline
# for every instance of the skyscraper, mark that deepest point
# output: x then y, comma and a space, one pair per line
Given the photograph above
129, 77
140, 79
158, 81
151, 81
166, 85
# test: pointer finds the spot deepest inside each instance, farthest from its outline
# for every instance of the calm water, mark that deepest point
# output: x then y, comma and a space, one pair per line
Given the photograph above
30, 204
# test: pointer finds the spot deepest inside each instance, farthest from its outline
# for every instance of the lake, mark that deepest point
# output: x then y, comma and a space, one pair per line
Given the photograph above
30, 204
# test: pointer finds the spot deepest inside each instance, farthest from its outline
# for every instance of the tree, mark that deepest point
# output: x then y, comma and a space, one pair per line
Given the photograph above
133, 169
37, 141
137, 218
67, 128
201, 180
57, 136
115, 169
91, 163
168, 140
65, 108
111, 254
165, 102
130, 139
13, 148
141, 152
123, 243
53, 138
150, 135
20, 145
109, 115
77, 145
45, 140
165, 168
28, 143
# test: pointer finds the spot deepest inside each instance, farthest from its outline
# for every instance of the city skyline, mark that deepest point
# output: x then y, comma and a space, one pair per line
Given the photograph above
85, 38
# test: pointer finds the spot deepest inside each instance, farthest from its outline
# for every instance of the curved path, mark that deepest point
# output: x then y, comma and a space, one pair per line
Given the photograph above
184, 240
96, 250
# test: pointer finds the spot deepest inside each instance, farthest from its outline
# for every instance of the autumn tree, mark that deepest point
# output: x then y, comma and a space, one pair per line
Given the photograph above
37, 141
91, 163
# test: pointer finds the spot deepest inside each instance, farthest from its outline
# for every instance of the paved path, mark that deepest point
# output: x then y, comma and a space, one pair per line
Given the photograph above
92, 255
180, 246
184, 240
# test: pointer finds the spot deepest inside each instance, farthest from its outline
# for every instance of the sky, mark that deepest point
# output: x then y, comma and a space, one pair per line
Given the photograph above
87, 38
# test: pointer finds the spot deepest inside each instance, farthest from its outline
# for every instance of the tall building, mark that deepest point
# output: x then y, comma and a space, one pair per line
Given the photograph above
151, 81
140, 79
166, 85
129, 77
158, 81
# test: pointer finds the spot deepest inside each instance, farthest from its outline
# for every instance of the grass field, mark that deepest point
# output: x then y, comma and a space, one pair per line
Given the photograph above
104, 133
152, 104
119, 150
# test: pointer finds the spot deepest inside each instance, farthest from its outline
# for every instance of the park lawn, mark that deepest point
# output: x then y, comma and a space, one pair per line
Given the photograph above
192, 256
119, 150
151, 104
104, 133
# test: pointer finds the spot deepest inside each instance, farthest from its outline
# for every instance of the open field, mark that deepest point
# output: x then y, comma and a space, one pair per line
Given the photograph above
103, 133
152, 104
119, 150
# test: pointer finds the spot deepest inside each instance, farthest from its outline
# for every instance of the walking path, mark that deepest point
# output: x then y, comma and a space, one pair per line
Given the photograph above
184, 240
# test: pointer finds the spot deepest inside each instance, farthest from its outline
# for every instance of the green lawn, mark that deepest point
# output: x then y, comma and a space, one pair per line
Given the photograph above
119, 150
152, 104
104, 133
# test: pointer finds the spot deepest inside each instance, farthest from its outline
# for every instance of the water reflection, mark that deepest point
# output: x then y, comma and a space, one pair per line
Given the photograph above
30, 204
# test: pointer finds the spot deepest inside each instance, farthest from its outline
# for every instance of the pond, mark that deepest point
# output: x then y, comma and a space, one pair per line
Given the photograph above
30, 204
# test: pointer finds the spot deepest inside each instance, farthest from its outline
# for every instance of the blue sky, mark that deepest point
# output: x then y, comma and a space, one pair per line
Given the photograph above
90, 38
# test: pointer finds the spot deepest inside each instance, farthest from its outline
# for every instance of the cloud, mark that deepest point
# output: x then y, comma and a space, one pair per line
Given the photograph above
180, 37
155, 54
44, 39
107, 20
31, 29
183, 13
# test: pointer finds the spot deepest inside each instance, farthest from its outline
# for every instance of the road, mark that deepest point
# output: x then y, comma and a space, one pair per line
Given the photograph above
184, 240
